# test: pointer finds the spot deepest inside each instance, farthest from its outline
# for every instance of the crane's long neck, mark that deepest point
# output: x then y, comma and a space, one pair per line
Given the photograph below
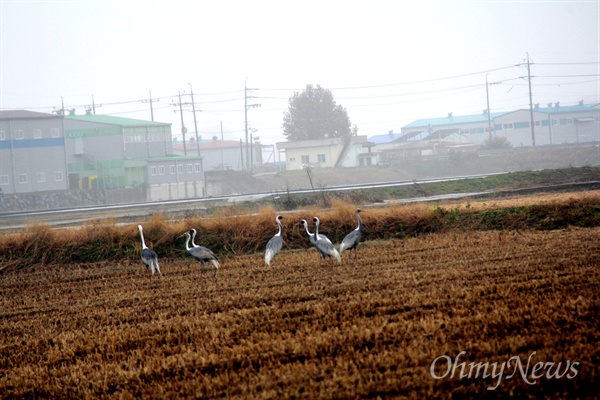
317, 222
360, 224
194, 238
187, 242
306, 228
142, 237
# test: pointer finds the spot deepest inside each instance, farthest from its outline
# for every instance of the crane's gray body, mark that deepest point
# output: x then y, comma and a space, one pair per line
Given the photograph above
201, 253
149, 256
324, 247
274, 244
352, 239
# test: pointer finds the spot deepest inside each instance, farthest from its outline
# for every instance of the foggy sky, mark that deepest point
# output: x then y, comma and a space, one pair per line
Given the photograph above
387, 62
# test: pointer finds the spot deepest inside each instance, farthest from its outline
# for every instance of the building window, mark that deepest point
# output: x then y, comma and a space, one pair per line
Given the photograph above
171, 169
305, 159
41, 177
521, 125
2, 135
321, 158
55, 132
197, 166
507, 126
180, 169
23, 178
161, 169
190, 168
134, 138
37, 133
19, 134
4, 180
58, 176
153, 170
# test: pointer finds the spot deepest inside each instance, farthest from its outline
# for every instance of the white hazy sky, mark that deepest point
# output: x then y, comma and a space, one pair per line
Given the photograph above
387, 62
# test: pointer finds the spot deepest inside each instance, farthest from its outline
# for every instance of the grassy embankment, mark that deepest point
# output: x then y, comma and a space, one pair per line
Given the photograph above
230, 234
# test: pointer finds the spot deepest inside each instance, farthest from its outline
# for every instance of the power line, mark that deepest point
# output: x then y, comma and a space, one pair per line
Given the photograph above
566, 76
413, 82
577, 63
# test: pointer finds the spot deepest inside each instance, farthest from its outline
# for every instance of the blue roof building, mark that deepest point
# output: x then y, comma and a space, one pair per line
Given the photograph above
385, 139
554, 124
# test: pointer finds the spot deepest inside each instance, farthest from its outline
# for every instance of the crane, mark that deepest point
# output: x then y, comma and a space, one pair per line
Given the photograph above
275, 243
193, 233
311, 236
201, 254
149, 257
352, 239
324, 247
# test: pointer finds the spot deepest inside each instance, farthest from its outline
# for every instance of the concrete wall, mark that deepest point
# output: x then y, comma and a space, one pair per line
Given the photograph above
175, 191
52, 200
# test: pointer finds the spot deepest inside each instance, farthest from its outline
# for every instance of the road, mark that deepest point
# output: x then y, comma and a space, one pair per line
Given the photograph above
135, 211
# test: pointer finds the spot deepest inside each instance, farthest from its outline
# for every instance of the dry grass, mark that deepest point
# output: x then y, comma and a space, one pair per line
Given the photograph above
356, 330
230, 235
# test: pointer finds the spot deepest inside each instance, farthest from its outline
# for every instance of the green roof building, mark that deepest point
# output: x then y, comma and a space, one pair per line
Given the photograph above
110, 152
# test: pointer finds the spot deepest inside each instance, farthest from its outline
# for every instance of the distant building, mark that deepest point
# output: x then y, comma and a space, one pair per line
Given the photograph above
42, 152
554, 124
393, 146
221, 155
32, 152
109, 152
352, 151
474, 128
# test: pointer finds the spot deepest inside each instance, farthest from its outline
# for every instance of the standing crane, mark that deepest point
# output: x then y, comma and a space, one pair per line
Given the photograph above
193, 241
352, 239
311, 236
201, 254
324, 247
149, 257
275, 243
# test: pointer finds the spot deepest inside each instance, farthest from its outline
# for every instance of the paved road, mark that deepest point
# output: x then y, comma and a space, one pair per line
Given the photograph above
135, 211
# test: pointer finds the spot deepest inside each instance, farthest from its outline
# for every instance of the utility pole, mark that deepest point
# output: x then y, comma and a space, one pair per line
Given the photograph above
183, 128
246, 106
487, 95
530, 102
151, 108
195, 123
489, 116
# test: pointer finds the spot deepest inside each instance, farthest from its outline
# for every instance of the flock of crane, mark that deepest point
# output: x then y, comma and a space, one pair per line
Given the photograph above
204, 255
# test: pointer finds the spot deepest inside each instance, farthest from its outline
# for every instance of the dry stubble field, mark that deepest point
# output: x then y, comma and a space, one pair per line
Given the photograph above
374, 328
